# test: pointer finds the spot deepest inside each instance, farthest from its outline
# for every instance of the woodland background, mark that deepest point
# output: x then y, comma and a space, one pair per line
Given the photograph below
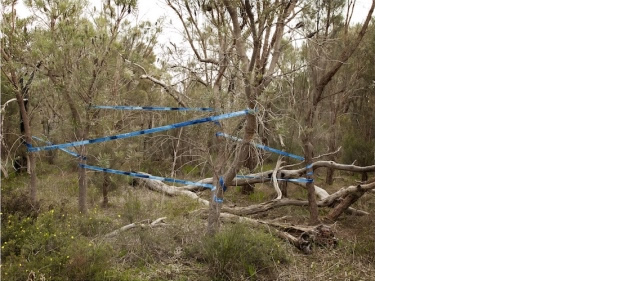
306, 69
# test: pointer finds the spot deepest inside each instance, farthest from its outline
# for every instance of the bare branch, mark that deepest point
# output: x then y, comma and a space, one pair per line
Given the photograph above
170, 90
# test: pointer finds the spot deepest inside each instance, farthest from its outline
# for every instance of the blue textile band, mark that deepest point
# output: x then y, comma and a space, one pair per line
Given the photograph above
139, 175
63, 149
122, 107
263, 147
224, 187
142, 132
215, 198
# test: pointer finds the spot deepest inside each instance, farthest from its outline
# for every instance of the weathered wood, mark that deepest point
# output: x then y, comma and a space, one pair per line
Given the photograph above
325, 201
155, 223
170, 190
344, 205
276, 203
274, 178
265, 176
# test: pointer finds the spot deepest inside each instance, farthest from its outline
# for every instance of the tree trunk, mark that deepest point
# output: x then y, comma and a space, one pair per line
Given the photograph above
82, 184
213, 220
106, 183
31, 163
283, 186
311, 189
82, 174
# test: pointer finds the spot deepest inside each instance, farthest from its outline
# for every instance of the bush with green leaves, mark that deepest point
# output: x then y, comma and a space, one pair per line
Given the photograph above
240, 252
49, 247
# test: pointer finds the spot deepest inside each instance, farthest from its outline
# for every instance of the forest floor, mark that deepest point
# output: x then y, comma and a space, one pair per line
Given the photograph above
57, 243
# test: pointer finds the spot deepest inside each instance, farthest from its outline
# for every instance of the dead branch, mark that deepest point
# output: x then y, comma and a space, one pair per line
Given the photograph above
276, 203
265, 176
170, 190
170, 90
155, 223
344, 205
274, 178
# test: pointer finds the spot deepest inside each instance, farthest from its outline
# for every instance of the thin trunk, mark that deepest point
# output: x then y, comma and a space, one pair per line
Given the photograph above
31, 163
311, 189
82, 181
283, 186
176, 147
213, 220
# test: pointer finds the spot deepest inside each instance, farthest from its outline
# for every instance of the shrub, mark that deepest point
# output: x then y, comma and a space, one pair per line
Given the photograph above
239, 252
132, 208
47, 247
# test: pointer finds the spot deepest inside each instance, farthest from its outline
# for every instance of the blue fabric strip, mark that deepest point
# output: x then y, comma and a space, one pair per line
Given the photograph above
123, 107
63, 149
142, 132
224, 187
263, 147
138, 175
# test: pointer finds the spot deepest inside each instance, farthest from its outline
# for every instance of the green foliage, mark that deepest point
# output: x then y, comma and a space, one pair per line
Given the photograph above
91, 225
132, 209
257, 196
15, 202
239, 252
48, 246
357, 148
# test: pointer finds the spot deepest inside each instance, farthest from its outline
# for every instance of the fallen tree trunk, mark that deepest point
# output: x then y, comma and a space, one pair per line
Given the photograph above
170, 190
326, 202
155, 223
347, 200
266, 176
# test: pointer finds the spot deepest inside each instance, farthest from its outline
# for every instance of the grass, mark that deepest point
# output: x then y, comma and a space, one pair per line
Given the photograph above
57, 243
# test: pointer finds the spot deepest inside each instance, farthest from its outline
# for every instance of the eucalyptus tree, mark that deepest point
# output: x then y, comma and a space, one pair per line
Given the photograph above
240, 42
327, 51
19, 67
81, 47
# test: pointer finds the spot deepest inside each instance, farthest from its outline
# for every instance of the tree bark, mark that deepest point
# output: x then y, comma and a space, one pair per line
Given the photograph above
31, 163
344, 205
82, 182
311, 194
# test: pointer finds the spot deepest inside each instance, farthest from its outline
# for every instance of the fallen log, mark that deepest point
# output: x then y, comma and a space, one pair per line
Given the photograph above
276, 203
347, 200
266, 176
170, 190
